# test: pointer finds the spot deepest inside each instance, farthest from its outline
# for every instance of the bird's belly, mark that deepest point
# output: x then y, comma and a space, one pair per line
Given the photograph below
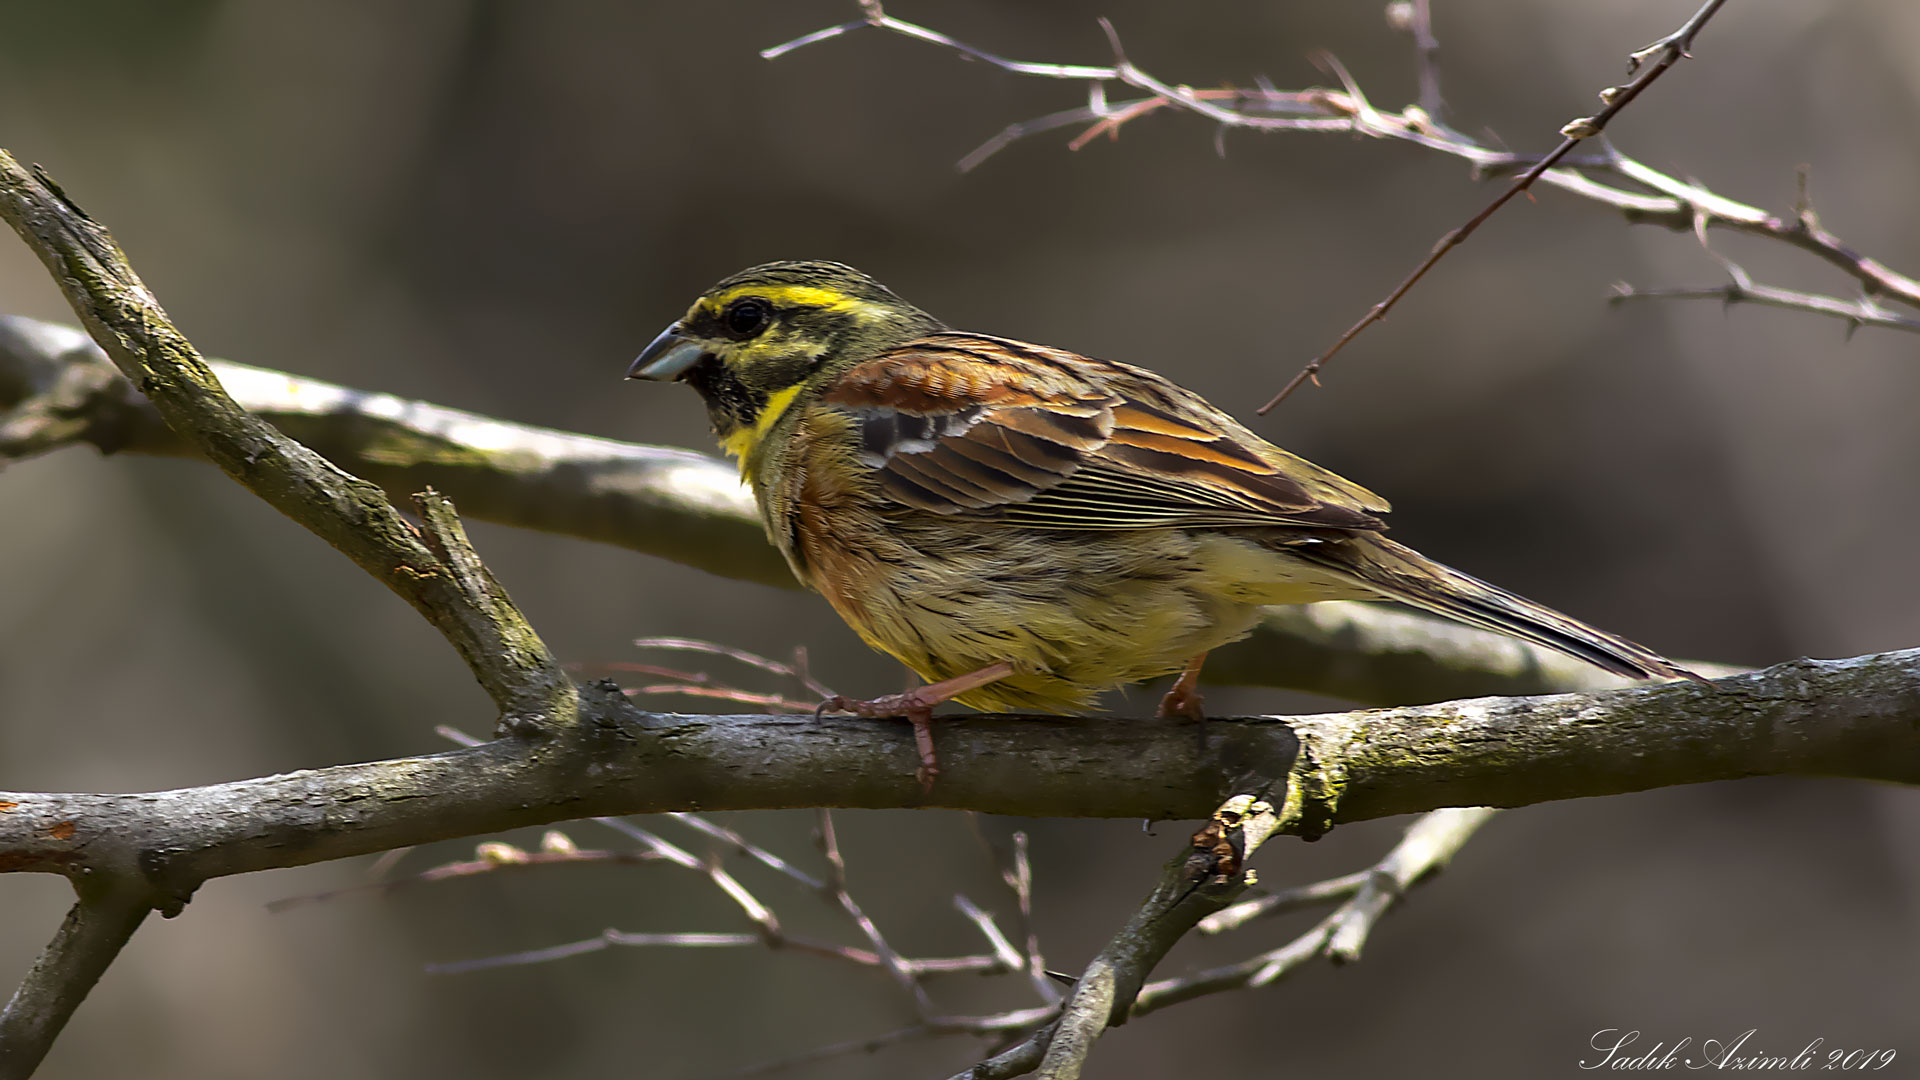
1077, 612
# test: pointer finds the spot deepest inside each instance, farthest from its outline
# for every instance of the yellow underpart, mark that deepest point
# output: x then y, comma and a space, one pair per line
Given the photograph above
741, 443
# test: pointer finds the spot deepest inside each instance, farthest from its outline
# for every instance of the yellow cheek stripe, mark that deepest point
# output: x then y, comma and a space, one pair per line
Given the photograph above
741, 443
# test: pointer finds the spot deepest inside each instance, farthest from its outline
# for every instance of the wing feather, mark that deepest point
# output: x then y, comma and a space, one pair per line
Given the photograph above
1023, 434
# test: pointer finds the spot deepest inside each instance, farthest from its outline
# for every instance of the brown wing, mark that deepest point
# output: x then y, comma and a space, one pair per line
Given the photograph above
961, 423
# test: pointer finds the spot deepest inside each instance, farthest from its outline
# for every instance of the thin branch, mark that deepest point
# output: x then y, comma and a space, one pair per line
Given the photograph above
58, 389
1007, 957
767, 926
1204, 877
1741, 287
836, 889
491, 857
1426, 848
1743, 290
909, 972
608, 939
1666, 201
1664, 53
1416, 18
741, 845
94, 931
1019, 878
879, 19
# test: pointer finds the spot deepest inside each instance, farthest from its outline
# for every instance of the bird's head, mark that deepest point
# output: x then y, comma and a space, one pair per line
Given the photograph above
758, 341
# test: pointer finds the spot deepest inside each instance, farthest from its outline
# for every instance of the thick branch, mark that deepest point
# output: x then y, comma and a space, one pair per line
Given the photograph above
677, 504
692, 509
503, 652
434, 569
1199, 881
92, 935
1853, 718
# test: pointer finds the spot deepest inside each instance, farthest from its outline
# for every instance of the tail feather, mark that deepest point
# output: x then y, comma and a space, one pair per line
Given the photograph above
1402, 574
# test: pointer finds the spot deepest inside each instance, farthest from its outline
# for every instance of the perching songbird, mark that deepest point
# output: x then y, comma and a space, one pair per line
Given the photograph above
1026, 527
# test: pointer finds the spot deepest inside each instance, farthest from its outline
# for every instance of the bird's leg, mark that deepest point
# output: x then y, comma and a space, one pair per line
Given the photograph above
917, 706
1183, 700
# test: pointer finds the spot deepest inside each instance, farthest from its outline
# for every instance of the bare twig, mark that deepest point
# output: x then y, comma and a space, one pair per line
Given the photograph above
1743, 290
1019, 878
1204, 877
1664, 53
703, 685
1427, 846
836, 888
1008, 957
1424, 849
909, 973
745, 847
608, 939
1416, 18
490, 857
751, 659
1741, 287
1664, 200
1201, 880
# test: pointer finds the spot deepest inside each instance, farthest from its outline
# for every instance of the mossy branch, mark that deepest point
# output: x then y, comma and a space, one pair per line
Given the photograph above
1850, 718
352, 514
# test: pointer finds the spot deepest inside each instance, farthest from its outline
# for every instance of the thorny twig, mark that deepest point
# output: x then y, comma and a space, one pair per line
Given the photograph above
1664, 53
1741, 288
1647, 196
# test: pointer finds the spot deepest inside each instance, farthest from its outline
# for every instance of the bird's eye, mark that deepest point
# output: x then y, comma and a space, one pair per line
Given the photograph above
748, 316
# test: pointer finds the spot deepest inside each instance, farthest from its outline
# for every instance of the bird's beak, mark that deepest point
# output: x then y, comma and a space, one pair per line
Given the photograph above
667, 358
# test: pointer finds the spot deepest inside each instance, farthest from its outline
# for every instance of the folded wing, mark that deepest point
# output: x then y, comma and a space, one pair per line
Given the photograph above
967, 424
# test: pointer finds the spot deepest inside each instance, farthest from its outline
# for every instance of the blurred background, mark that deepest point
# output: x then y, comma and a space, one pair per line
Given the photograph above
493, 205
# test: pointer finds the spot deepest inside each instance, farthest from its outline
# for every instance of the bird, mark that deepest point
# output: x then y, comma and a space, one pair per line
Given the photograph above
1026, 527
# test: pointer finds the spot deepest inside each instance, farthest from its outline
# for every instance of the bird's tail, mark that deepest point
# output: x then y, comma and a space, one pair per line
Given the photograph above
1400, 573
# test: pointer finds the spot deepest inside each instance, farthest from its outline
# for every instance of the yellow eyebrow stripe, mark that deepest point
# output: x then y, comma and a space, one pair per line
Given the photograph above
789, 296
